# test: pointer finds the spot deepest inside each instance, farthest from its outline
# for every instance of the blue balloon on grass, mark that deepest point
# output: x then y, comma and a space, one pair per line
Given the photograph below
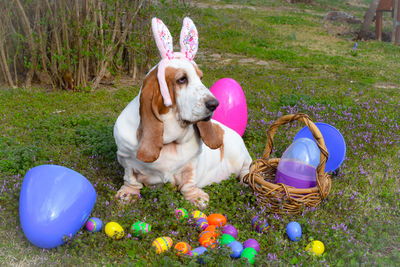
54, 203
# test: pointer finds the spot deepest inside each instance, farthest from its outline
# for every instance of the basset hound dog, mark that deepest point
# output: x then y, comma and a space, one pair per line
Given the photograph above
166, 133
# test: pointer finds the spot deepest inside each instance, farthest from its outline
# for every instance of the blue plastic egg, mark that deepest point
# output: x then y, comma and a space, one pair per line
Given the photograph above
237, 249
94, 224
293, 230
54, 203
198, 251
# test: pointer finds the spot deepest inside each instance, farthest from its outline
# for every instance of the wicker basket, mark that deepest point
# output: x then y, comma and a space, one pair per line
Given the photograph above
281, 198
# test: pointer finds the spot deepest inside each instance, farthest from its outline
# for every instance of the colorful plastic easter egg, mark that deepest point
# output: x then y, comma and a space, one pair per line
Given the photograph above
232, 108
249, 254
207, 239
230, 230
293, 230
140, 228
183, 248
316, 246
198, 214
198, 251
114, 230
259, 224
252, 243
216, 219
55, 202
237, 249
213, 229
203, 233
162, 244
202, 223
226, 239
181, 214
94, 225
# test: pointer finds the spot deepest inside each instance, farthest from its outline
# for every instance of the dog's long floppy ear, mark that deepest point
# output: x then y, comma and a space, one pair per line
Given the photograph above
151, 128
211, 134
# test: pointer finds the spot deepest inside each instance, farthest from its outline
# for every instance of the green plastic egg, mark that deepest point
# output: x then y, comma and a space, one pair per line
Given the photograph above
249, 254
226, 239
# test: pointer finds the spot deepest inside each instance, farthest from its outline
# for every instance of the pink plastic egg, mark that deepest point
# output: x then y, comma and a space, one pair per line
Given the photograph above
232, 109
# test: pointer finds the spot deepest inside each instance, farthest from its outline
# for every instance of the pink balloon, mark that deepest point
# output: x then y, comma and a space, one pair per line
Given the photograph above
232, 109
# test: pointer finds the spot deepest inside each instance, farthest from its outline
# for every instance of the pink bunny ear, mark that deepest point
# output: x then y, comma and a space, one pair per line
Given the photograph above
163, 38
165, 46
189, 39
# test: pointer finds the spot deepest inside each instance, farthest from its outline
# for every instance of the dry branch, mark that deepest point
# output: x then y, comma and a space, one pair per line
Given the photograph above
73, 43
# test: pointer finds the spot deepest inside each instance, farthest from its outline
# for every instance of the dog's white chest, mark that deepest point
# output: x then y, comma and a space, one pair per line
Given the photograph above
173, 158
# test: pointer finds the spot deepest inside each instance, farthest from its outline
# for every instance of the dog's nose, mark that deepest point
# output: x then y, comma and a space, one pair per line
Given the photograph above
212, 104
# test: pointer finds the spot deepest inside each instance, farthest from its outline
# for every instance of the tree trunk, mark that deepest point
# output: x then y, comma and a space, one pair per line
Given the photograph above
7, 73
369, 16
31, 43
396, 20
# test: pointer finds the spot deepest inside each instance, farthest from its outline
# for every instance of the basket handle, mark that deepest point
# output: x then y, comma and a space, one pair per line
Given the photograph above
304, 118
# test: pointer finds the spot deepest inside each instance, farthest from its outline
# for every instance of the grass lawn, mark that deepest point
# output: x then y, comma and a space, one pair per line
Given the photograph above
287, 60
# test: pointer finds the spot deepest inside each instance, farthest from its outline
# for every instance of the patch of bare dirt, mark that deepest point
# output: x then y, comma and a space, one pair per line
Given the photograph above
387, 86
218, 5
229, 58
357, 3
228, 6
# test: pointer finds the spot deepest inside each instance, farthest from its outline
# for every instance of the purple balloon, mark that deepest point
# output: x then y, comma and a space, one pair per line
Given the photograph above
252, 243
54, 203
230, 230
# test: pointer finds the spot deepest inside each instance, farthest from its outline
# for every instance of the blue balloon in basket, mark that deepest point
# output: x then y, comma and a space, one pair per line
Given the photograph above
334, 142
54, 203
298, 164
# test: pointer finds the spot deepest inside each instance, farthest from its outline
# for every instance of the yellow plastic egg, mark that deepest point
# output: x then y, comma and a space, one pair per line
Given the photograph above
162, 244
198, 214
316, 246
114, 230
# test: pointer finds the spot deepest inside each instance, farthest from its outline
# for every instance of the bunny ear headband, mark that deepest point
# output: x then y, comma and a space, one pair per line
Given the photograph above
189, 41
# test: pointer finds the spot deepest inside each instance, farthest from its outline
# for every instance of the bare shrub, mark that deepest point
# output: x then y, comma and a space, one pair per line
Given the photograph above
72, 44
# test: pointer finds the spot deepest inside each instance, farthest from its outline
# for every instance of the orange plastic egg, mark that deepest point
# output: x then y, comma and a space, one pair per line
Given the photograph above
213, 229
183, 248
216, 219
207, 238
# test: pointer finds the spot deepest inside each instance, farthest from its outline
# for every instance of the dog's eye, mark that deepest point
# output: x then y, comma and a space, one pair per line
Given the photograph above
182, 80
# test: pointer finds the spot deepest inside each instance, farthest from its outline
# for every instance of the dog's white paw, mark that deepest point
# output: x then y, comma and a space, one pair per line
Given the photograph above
127, 194
198, 197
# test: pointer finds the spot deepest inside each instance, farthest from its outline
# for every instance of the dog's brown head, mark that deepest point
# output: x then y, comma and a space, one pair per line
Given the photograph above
175, 86
192, 103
